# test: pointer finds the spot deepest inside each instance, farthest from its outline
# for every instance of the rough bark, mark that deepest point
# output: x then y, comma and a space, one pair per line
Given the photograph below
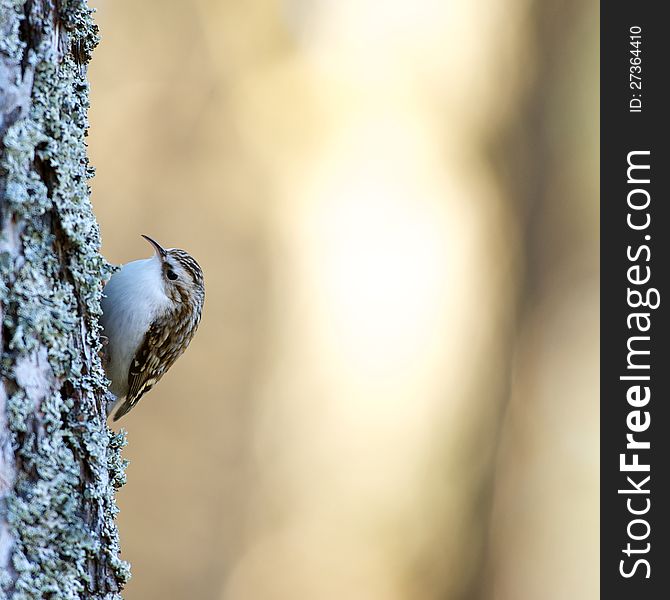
59, 463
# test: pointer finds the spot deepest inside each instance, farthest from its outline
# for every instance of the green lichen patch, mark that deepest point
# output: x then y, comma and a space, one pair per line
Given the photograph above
62, 507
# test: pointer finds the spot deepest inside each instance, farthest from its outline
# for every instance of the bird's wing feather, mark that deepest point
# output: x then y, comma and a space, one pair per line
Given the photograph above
151, 361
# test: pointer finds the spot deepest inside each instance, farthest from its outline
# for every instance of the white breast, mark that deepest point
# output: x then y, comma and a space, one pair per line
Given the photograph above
132, 299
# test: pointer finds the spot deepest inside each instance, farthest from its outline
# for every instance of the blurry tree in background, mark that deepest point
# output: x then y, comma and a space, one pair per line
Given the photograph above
393, 394
59, 464
544, 532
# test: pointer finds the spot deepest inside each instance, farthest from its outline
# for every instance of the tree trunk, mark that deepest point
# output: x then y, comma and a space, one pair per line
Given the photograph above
59, 463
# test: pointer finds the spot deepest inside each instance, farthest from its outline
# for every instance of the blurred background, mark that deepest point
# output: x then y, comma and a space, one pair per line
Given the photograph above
393, 394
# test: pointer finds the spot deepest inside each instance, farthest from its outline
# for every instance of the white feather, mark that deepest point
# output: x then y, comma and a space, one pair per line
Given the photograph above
132, 299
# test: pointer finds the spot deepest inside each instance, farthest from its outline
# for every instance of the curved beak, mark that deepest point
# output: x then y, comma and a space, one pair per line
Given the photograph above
157, 247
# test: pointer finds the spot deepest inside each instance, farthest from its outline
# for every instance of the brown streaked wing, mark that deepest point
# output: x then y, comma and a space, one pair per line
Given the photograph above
150, 363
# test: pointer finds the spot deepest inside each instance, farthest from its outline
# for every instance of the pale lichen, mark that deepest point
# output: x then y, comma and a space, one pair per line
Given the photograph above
61, 509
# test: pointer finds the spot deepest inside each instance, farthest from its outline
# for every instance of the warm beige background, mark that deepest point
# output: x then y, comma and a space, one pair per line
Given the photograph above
393, 394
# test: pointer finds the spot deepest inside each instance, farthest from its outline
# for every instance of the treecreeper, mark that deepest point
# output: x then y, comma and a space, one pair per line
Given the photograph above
151, 311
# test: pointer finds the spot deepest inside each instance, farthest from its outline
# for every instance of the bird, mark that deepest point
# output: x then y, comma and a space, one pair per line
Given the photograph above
151, 309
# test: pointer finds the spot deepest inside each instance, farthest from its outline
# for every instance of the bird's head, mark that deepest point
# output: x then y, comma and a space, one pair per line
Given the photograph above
182, 276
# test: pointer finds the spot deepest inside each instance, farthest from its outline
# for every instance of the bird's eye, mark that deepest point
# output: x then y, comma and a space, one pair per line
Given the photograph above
171, 275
